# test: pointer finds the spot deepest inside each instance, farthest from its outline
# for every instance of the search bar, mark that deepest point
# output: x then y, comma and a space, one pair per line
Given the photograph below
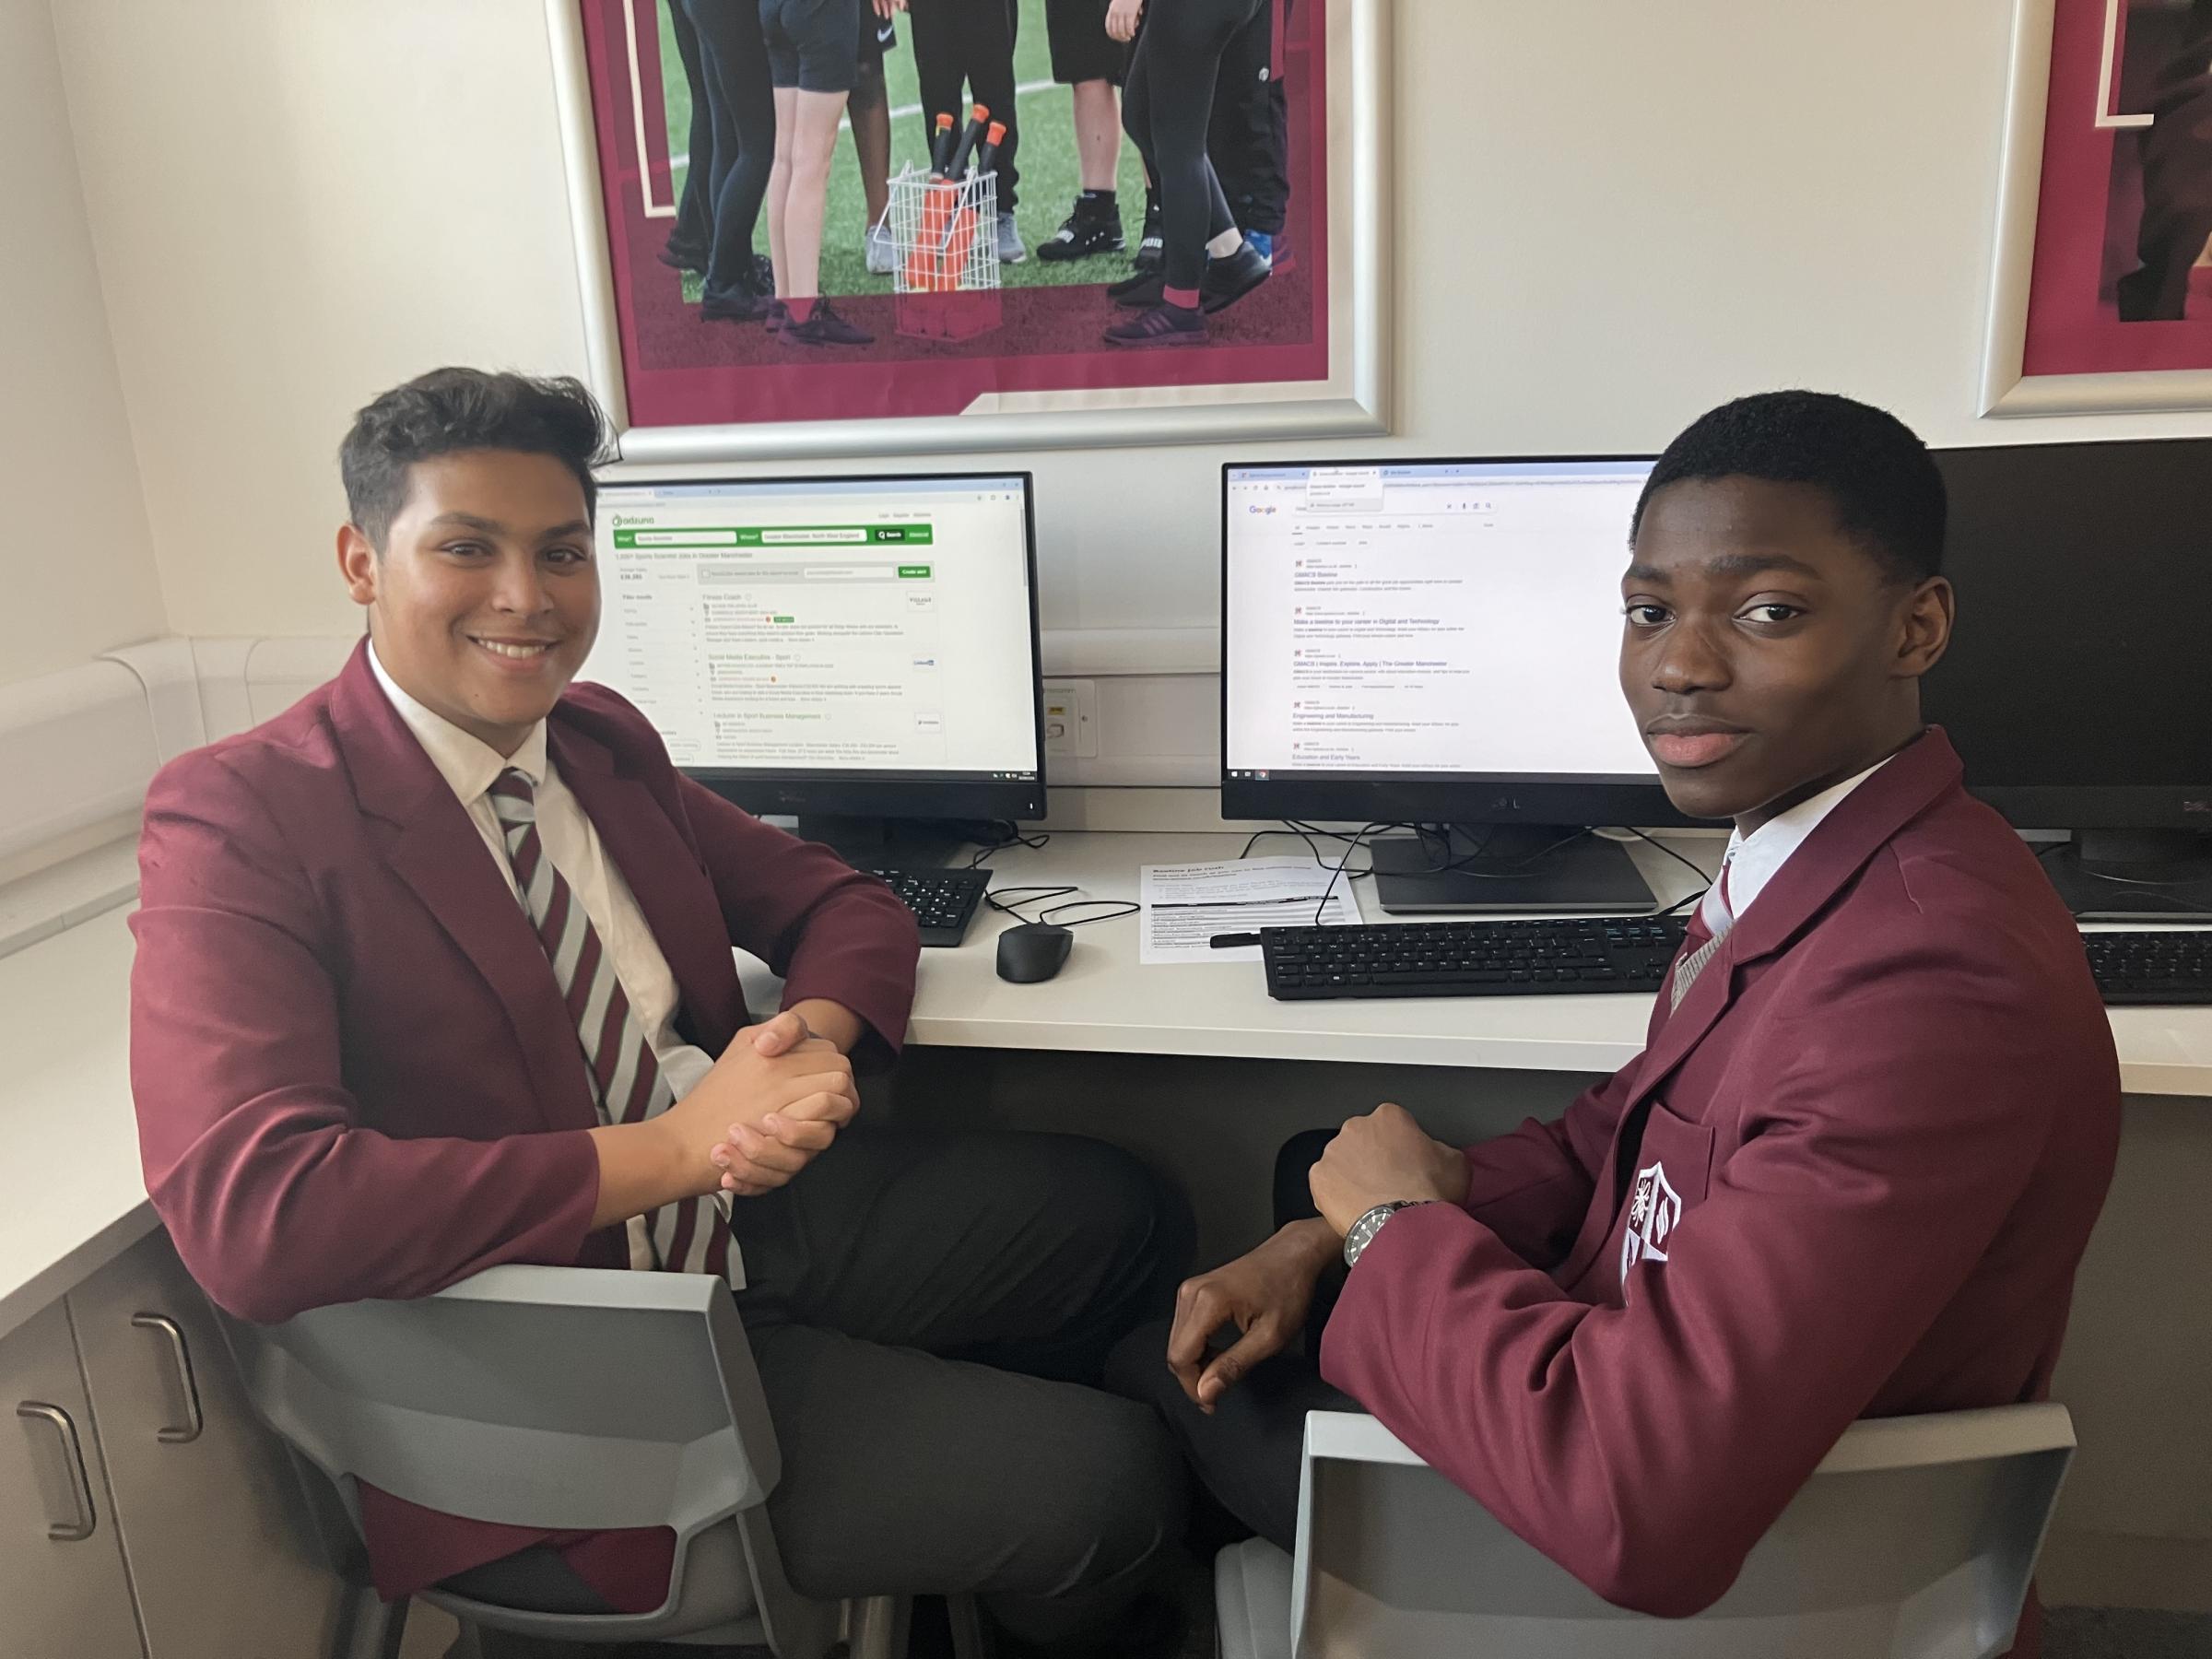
685, 539
770, 537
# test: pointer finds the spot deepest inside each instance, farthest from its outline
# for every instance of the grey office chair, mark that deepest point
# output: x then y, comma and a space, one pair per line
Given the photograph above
1916, 1539
564, 1398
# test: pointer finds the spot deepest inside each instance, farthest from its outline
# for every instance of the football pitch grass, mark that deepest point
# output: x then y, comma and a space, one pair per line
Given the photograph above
1050, 175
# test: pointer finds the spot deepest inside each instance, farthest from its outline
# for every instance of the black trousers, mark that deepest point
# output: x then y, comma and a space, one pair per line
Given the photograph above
1247, 1455
1249, 138
694, 214
927, 1311
1167, 107
964, 55
742, 105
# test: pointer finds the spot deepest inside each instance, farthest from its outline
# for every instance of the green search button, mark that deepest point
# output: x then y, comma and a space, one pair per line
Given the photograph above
913, 572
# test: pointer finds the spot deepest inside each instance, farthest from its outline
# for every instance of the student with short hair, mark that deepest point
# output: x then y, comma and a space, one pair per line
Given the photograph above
1854, 1169
435, 972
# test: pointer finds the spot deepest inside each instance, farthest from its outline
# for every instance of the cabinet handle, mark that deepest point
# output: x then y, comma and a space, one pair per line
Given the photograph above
79, 1530
192, 1423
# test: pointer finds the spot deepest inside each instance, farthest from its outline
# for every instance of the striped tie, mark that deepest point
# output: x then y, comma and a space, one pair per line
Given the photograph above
1717, 916
692, 1236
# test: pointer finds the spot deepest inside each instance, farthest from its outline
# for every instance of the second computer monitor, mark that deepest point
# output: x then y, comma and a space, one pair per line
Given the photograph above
1438, 641
839, 647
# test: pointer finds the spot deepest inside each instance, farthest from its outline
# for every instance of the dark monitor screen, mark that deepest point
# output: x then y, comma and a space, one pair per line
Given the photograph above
2079, 684
832, 645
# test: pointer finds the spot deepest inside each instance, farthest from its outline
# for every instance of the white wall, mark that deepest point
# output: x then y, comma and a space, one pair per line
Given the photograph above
1611, 217
76, 565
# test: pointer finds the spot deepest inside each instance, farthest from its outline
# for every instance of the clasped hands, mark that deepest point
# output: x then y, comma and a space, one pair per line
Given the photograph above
774, 1101
1379, 1159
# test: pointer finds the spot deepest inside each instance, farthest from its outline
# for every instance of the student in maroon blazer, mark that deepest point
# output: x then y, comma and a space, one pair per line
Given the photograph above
357, 1073
1854, 1171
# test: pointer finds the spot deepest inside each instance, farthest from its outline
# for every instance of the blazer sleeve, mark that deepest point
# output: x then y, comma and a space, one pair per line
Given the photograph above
277, 1198
826, 929
1646, 1448
1532, 1187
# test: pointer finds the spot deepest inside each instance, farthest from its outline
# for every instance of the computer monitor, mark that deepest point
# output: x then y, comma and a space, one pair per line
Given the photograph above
1438, 643
861, 651
2078, 683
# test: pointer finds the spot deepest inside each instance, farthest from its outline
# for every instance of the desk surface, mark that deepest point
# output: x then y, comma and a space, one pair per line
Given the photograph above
1105, 1001
73, 1197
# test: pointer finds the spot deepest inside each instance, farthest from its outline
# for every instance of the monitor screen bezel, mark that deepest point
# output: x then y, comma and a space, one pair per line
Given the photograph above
1429, 798
888, 795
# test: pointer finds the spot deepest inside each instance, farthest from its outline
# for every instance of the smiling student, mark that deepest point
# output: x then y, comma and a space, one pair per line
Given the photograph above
435, 972
1855, 1170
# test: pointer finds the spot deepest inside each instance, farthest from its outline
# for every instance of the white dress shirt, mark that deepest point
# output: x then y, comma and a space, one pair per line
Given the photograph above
471, 766
1753, 860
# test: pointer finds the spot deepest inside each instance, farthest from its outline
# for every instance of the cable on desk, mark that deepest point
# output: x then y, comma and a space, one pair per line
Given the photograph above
1004, 833
1035, 895
1337, 874
1690, 864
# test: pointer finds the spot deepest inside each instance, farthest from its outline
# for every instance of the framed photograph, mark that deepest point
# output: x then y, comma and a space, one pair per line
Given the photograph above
2103, 299
825, 227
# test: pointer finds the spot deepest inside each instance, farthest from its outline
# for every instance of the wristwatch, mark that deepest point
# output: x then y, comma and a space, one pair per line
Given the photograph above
1363, 1231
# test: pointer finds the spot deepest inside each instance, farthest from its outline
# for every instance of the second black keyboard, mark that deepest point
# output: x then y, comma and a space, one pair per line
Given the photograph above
944, 900
2168, 967
1470, 958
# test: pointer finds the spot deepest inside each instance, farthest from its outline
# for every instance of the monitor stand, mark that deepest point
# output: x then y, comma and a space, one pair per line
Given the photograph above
881, 843
2135, 875
1523, 867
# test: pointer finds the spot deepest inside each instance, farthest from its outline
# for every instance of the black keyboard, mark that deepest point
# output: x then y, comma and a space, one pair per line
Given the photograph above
2166, 968
944, 902
1611, 954
1470, 958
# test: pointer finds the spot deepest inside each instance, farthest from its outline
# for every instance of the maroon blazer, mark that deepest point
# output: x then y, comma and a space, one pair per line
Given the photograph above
353, 1071
1851, 1176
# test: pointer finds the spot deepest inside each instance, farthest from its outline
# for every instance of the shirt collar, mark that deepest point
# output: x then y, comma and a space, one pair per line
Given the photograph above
1753, 860
468, 764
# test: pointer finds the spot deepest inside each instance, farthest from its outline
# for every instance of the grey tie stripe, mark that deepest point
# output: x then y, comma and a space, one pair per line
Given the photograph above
1690, 966
627, 1084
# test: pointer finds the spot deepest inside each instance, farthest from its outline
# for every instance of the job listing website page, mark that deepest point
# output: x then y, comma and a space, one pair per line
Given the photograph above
829, 626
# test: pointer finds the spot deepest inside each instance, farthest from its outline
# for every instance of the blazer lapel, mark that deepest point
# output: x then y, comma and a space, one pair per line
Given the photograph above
430, 844
672, 889
1801, 890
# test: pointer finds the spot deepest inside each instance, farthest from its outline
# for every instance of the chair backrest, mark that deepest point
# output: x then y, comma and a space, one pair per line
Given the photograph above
1916, 1539
561, 1397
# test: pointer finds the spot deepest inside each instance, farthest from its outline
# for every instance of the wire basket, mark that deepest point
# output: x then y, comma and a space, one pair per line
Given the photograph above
945, 253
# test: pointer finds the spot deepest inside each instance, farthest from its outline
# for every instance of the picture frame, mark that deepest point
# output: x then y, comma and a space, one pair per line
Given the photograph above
2091, 215
1034, 402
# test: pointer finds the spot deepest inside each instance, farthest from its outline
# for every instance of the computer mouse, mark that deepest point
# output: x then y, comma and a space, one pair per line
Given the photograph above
1034, 951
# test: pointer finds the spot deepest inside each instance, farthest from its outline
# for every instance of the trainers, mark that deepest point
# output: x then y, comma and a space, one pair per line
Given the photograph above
1230, 277
777, 316
1162, 325
883, 257
825, 327
684, 256
1010, 251
735, 305
1083, 234
1140, 292
1152, 247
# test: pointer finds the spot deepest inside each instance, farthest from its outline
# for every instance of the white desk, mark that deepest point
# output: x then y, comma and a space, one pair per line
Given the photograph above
72, 1198
1104, 1001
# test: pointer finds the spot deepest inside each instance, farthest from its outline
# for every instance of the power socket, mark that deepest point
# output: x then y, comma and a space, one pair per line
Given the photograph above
1071, 719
